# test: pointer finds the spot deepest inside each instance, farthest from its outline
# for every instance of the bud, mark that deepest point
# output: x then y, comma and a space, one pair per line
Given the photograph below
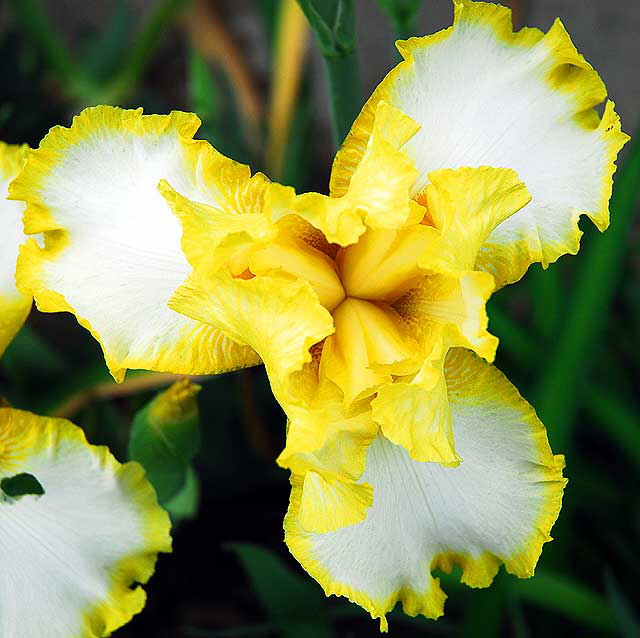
166, 436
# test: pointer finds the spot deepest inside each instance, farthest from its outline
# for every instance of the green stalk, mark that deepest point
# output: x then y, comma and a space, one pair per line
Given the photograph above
333, 25
343, 75
559, 393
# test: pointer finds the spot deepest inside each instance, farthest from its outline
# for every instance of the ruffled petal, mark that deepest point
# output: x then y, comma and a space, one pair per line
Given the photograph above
497, 506
328, 504
321, 435
377, 196
466, 205
112, 252
453, 302
214, 235
14, 305
415, 414
485, 96
446, 310
74, 557
278, 316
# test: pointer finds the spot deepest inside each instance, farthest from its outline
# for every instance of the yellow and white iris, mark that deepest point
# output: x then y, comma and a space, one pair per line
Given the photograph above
73, 558
473, 159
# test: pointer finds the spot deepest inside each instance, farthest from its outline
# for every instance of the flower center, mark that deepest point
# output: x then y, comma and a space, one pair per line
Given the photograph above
359, 287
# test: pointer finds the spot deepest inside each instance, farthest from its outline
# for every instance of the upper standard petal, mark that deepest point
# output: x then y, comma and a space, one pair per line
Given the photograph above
486, 96
378, 194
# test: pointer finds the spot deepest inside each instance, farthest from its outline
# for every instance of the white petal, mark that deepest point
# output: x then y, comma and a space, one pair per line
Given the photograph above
497, 506
112, 254
73, 557
485, 96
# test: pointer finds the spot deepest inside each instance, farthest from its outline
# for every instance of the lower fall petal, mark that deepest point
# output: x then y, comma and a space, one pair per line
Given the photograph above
73, 558
416, 416
112, 254
497, 506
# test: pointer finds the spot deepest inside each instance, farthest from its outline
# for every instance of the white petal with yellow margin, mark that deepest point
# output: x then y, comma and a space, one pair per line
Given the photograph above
485, 96
497, 506
112, 252
73, 558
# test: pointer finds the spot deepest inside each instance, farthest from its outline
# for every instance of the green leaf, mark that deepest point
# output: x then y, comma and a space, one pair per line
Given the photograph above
402, 14
559, 593
618, 420
184, 505
296, 605
202, 88
21, 485
34, 22
28, 352
333, 23
546, 299
166, 436
484, 611
627, 620
104, 52
161, 18
269, 10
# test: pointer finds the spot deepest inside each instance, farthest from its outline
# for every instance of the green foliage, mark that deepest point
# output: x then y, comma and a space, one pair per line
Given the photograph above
625, 616
558, 593
202, 89
103, 55
165, 437
184, 504
34, 22
111, 66
402, 14
333, 24
21, 485
295, 605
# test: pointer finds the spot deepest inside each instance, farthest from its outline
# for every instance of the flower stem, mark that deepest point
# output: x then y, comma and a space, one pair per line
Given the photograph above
343, 75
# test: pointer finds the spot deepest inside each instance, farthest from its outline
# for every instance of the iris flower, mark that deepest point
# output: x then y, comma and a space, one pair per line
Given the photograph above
72, 557
75, 550
409, 451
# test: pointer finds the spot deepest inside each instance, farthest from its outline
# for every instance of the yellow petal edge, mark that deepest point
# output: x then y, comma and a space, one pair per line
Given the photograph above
477, 571
39, 434
570, 74
222, 354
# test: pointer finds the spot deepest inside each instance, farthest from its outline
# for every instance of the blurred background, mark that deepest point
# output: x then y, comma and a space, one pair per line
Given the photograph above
570, 336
